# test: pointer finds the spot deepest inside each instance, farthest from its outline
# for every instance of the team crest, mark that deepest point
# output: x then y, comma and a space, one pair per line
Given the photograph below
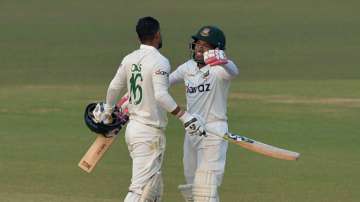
205, 32
206, 74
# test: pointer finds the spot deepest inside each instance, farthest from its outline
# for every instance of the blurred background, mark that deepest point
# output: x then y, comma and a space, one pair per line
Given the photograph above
298, 88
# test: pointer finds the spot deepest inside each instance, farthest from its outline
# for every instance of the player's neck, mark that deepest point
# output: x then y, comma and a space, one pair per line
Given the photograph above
200, 65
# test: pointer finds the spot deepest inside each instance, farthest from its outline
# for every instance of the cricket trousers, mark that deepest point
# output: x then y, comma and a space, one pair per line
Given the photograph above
206, 154
146, 146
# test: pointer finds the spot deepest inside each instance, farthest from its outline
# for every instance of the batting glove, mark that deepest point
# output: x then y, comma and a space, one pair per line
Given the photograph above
192, 125
102, 113
215, 57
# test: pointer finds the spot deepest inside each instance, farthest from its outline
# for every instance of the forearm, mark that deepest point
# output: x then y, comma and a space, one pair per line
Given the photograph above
168, 103
163, 97
191, 124
231, 69
172, 81
113, 94
175, 77
181, 114
116, 88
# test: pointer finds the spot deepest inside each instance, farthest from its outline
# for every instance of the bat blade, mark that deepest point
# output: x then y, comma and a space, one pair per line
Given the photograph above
95, 152
262, 148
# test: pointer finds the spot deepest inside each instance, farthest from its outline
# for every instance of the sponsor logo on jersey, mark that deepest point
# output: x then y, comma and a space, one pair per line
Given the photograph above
198, 89
164, 73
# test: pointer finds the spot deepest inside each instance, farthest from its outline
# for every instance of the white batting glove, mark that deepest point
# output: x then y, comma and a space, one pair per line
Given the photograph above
215, 57
102, 113
192, 125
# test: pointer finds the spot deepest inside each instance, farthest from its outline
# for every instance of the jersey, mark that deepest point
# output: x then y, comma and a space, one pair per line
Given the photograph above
206, 88
139, 72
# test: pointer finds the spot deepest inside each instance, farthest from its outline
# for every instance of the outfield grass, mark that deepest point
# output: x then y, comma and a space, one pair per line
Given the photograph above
298, 89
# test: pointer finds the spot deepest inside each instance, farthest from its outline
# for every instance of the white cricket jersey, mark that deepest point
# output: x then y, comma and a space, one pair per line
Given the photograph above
145, 72
206, 88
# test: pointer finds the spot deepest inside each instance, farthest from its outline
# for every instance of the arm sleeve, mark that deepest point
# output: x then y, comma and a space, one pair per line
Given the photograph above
117, 86
161, 85
177, 76
228, 71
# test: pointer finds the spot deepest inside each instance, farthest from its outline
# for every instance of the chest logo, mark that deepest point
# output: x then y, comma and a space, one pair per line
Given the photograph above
198, 89
206, 75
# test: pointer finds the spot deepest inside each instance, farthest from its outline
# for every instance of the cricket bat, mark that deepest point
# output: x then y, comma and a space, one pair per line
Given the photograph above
259, 147
100, 146
95, 152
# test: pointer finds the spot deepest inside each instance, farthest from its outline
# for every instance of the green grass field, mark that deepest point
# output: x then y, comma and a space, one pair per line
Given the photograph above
298, 89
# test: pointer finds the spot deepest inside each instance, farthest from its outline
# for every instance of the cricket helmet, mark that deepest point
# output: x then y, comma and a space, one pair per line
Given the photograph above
105, 129
211, 34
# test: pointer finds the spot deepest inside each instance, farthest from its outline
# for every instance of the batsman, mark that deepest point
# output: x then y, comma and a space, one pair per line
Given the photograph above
144, 75
207, 78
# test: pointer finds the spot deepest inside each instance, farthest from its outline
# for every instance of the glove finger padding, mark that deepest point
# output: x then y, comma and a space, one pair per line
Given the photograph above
215, 57
102, 113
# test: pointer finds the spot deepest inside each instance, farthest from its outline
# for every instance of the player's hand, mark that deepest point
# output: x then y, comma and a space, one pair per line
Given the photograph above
102, 113
215, 57
122, 115
192, 125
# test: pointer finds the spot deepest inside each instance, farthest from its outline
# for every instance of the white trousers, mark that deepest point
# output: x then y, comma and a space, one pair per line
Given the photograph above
206, 153
146, 146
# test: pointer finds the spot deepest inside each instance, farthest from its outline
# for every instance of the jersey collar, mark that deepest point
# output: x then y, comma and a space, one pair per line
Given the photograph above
143, 46
203, 69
